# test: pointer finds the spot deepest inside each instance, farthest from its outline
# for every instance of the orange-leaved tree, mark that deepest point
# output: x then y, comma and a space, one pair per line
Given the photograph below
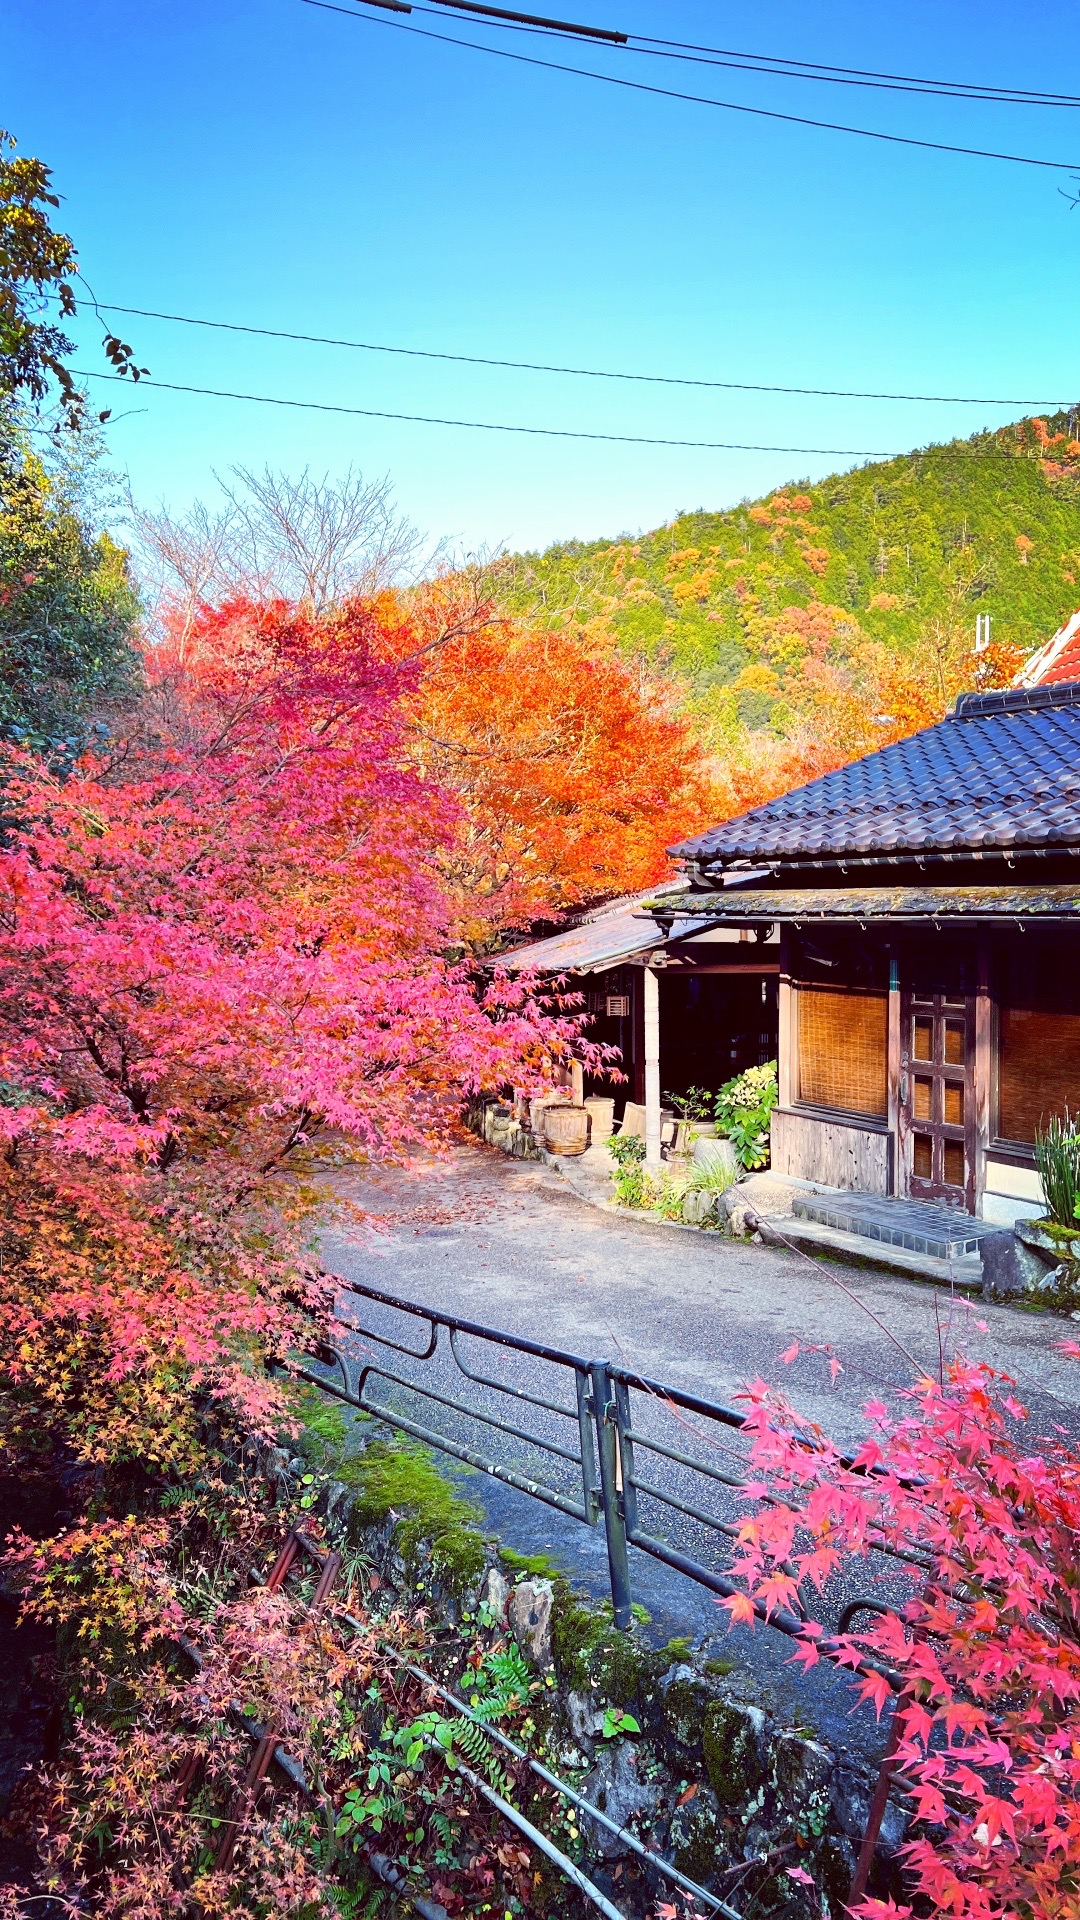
573, 772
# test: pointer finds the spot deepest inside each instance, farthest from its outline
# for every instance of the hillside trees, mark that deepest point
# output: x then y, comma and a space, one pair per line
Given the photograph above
829, 617
68, 609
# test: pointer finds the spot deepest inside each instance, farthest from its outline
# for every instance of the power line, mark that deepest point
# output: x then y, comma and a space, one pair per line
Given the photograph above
779, 66
782, 70
552, 433
698, 99
490, 426
816, 69
583, 373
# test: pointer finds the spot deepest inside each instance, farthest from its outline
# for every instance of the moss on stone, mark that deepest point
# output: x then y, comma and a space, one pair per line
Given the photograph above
696, 1837
538, 1566
732, 1760
685, 1703
389, 1478
577, 1631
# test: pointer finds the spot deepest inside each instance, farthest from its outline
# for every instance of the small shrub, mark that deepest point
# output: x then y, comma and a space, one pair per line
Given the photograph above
743, 1109
628, 1152
695, 1104
1057, 1157
665, 1195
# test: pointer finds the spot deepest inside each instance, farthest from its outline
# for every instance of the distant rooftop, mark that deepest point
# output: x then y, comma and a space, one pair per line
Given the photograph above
1058, 662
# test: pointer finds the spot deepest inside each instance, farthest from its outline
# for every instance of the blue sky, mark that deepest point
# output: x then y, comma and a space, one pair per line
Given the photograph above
267, 162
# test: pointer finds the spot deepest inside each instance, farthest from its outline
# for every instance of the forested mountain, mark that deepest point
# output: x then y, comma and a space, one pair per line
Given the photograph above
849, 604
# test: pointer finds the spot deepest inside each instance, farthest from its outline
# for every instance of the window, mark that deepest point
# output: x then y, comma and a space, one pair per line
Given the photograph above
1039, 1068
842, 1048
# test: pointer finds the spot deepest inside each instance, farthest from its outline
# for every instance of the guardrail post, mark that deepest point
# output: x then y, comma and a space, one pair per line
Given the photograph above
607, 1438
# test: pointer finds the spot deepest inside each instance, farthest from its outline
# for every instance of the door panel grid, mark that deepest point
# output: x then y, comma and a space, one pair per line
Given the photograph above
937, 1108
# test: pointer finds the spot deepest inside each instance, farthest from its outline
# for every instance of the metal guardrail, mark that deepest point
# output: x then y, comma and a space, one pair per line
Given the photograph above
605, 1442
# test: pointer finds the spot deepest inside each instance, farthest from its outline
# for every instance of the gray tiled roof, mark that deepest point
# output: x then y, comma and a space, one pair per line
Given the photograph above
1003, 771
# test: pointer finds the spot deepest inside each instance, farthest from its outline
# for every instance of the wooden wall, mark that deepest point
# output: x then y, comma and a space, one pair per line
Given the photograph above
831, 1152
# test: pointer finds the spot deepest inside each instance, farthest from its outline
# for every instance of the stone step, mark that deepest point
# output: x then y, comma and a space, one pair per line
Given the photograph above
915, 1226
852, 1249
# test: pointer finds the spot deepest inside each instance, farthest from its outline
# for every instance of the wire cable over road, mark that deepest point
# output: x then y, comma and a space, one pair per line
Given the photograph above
698, 99
582, 373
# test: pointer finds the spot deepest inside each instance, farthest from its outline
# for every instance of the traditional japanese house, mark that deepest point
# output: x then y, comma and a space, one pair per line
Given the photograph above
924, 903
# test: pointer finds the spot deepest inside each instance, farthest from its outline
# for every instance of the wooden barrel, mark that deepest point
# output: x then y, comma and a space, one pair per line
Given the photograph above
567, 1129
601, 1114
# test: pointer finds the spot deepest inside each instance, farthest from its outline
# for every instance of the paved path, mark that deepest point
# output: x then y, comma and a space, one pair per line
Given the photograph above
506, 1244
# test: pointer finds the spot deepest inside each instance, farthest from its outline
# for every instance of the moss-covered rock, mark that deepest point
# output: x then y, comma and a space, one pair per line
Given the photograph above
732, 1740
696, 1837
430, 1520
686, 1699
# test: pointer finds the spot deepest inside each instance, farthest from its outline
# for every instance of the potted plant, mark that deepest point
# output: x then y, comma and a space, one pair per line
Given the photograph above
694, 1108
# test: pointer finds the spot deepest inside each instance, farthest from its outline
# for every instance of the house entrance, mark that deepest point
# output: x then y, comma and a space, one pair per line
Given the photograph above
937, 1107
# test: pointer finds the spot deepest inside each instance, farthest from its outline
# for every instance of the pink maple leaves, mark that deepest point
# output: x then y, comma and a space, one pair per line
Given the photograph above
984, 1651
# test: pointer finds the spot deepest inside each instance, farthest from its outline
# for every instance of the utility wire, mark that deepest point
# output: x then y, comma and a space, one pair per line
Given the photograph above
584, 373
551, 433
778, 66
816, 69
489, 426
698, 99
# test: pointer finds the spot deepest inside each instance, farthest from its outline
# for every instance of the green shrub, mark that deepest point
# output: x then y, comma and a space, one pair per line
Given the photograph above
1057, 1157
743, 1109
628, 1151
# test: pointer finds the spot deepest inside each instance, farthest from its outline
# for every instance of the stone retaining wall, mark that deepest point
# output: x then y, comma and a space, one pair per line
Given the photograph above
711, 1778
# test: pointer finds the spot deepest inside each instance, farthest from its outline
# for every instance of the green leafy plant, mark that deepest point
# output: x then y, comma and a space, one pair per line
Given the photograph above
626, 1148
1057, 1157
695, 1104
628, 1152
744, 1107
665, 1195
616, 1724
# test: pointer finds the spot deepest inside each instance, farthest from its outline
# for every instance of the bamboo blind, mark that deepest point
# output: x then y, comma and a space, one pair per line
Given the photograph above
1039, 1069
843, 1042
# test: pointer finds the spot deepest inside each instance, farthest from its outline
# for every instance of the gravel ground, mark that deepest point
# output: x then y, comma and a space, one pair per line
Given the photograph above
505, 1244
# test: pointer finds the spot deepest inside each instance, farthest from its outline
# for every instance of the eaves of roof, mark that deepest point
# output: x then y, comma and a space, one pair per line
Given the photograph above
754, 906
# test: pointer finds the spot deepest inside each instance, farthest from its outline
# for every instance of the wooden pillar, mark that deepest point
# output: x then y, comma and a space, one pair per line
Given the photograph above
652, 1068
894, 1072
636, 1072
983, 1068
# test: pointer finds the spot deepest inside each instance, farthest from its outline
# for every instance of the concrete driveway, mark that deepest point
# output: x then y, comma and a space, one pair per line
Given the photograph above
505, 1243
